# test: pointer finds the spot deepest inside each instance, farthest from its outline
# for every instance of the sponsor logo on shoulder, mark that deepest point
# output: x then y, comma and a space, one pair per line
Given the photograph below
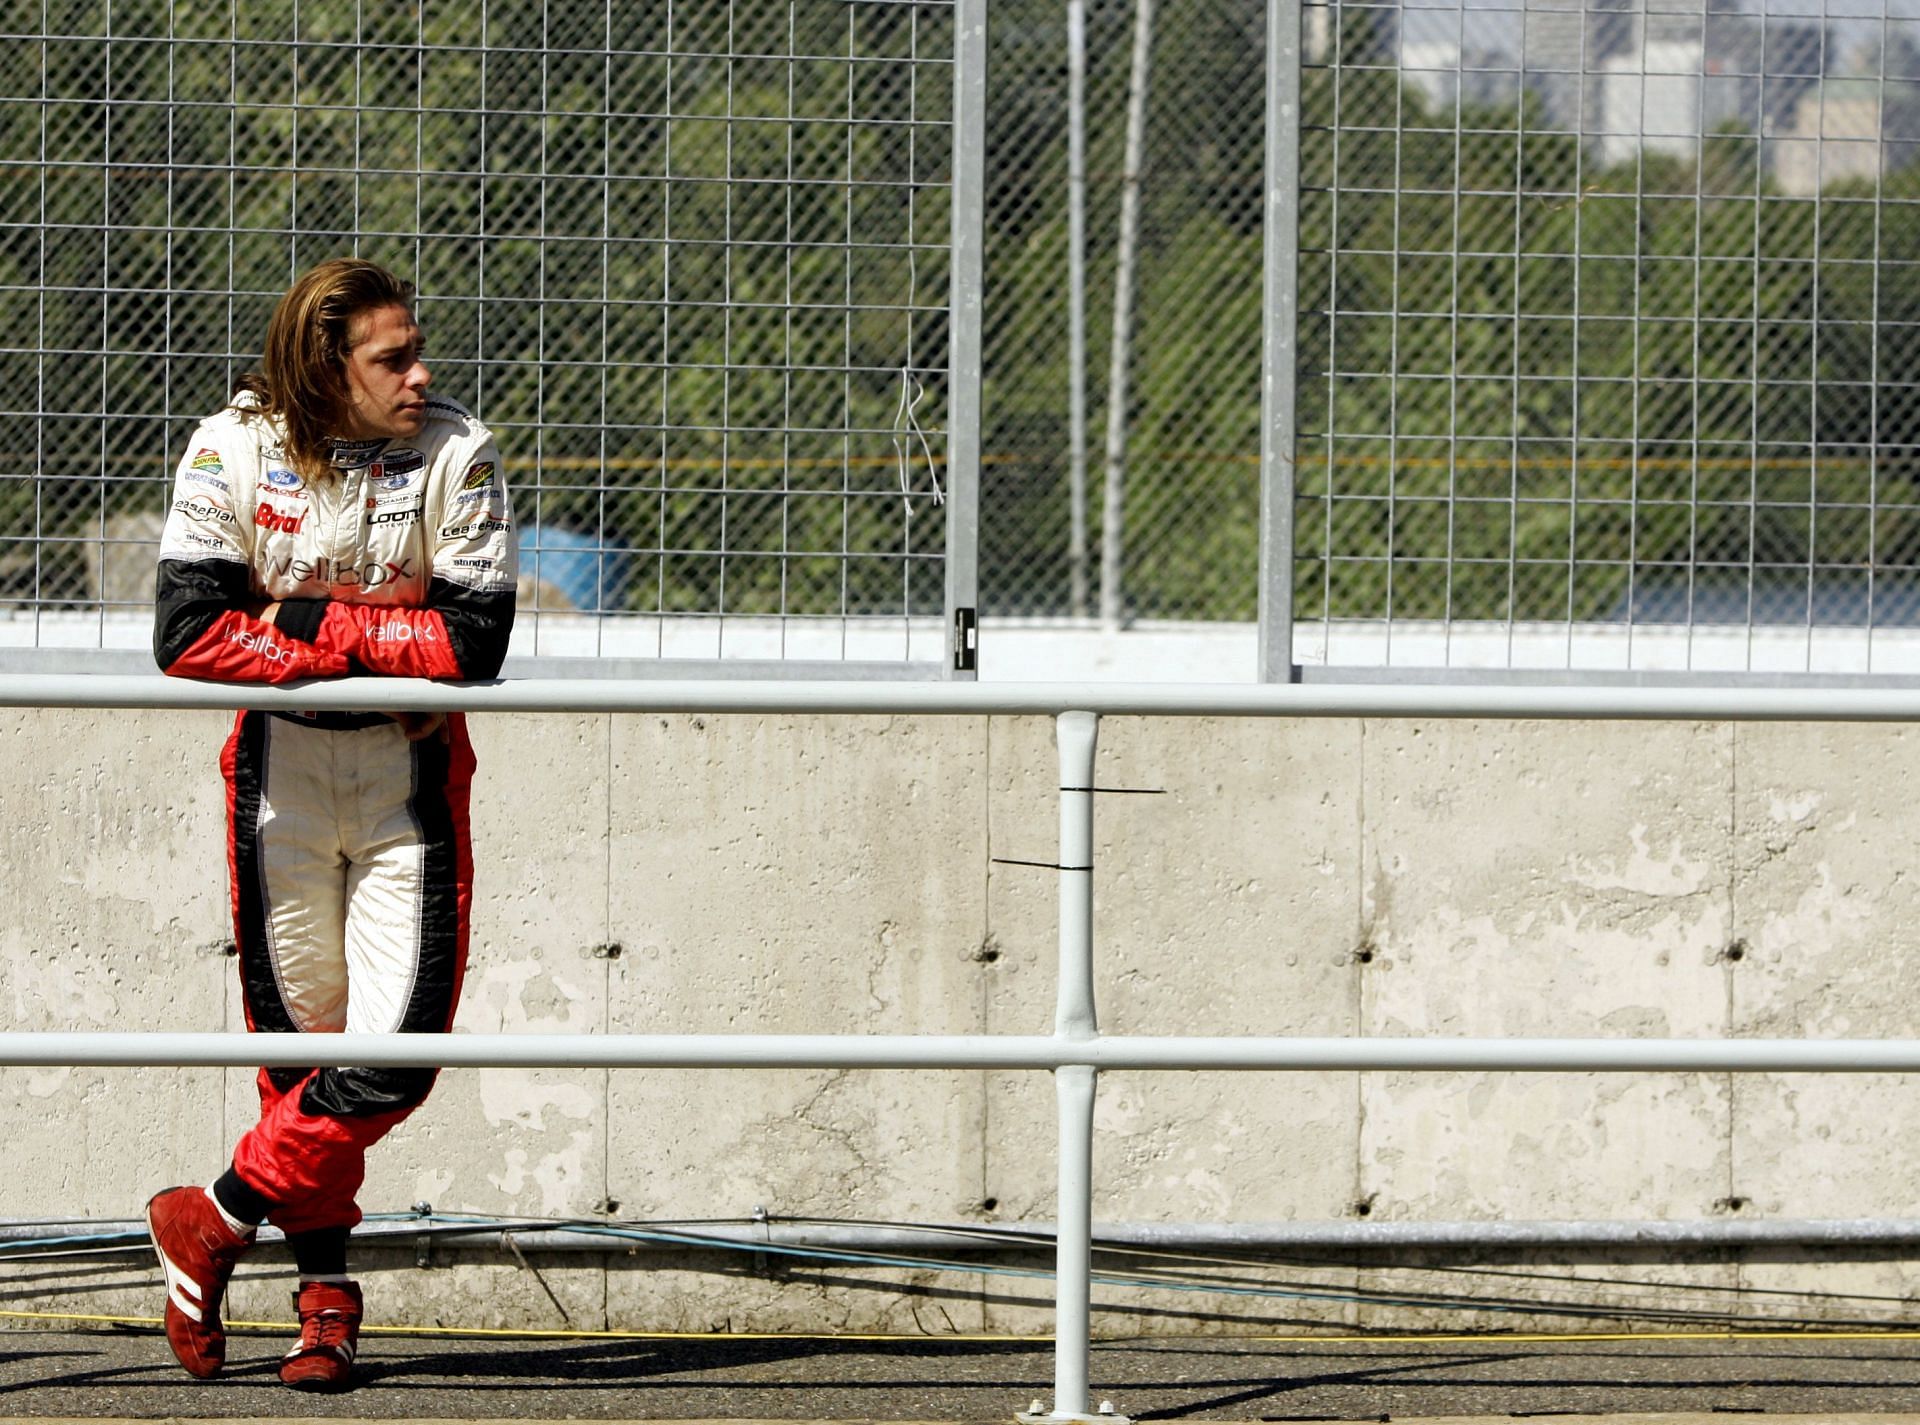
282, 479
479, 476
203, 510
207, 461
200, 477
480, 526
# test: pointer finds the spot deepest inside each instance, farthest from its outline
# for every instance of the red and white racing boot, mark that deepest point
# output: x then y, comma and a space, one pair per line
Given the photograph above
197, 1251
329, 1315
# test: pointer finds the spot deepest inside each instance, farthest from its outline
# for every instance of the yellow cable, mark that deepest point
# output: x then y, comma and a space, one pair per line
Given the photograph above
1523, 1336
1486, 1336
529, 1333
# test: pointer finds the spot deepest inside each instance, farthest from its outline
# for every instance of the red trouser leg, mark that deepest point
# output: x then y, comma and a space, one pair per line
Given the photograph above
315, 1161
353, 873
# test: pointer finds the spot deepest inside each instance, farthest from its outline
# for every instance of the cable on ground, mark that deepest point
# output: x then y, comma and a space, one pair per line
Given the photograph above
1185, 1271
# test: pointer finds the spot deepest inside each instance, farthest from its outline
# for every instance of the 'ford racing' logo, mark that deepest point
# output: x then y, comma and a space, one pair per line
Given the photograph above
282, 479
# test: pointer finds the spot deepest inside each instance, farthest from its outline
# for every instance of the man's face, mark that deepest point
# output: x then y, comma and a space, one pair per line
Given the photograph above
386, 379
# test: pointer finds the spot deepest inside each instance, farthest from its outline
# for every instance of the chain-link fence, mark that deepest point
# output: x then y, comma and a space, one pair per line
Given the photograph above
1610, 320
1189, 544
689, 258
1609, 313
1606, 323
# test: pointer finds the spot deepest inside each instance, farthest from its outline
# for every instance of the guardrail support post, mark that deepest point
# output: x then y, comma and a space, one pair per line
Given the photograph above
1075, 734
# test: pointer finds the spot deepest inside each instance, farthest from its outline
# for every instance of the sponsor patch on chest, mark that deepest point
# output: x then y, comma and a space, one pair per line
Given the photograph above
370, 574
278, 520
352, 454
396, 469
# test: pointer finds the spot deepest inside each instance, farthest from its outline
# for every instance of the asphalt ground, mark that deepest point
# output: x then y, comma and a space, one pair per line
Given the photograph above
129, 1375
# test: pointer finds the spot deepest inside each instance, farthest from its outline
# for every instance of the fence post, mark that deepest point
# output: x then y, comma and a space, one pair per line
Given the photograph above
965, 301
1113, 605
1077, 302
1278, 350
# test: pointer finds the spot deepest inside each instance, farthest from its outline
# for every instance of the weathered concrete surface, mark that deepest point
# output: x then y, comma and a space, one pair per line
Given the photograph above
114, 921
743, 874
1527, 880
1827, 920
763, 883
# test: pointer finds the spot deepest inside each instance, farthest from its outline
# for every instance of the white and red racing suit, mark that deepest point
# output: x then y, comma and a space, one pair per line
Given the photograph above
348, 845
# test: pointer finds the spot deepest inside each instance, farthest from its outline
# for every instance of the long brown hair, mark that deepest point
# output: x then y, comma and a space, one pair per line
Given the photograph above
303, 373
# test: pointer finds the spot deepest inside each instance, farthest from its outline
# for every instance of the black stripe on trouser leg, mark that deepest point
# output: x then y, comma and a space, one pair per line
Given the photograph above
361, 1093
267, 1010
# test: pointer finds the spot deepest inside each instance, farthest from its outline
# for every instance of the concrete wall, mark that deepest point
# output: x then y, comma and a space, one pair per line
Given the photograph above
820, 875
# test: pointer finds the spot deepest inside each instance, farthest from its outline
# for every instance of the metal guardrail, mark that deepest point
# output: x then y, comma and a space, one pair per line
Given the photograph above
1633, 702
1076, 1051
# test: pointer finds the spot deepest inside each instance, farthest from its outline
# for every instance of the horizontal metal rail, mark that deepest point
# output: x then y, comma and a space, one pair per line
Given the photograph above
959, 1051
637, 695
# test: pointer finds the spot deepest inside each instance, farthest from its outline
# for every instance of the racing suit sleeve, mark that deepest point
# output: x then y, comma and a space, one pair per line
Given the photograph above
202, 627
462, 630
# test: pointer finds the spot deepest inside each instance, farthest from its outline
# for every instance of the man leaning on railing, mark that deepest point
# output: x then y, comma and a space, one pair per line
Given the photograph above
334, 519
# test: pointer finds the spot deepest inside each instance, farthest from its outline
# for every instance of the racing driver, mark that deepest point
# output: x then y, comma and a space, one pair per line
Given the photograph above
334, 519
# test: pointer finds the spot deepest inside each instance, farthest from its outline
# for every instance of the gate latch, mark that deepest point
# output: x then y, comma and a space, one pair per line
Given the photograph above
966, 640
